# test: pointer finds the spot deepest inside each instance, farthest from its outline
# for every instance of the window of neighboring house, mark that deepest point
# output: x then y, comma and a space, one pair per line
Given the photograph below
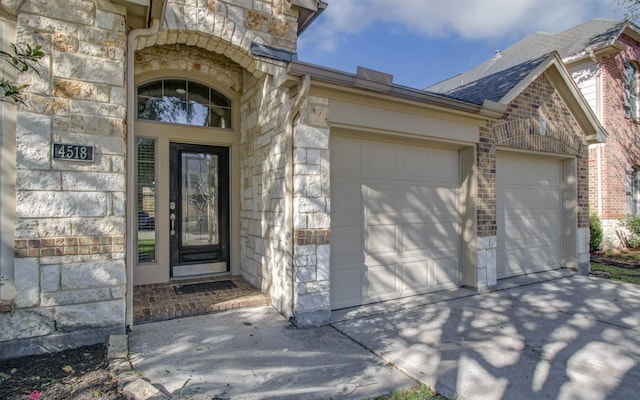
630, 94
633, 191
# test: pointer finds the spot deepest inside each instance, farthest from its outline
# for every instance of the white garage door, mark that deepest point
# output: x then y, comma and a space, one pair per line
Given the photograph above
395, 220
529, 214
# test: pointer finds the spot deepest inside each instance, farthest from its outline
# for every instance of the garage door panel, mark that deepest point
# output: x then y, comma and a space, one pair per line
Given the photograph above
346, 200
345, 156
444, 166
435, 202
529, 214
379, 159
416, 277
414, 162
380, 281
408, 215
539, 259
528, 230
380, 239
445, 236
379, 198
346, 241
346, 286
446, 273
415, 237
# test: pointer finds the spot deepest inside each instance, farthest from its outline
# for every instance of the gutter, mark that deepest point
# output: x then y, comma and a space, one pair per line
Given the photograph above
131, 150
328, 75
294, 109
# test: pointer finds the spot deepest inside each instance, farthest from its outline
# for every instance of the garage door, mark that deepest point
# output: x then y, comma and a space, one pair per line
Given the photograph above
395, 220
529, 214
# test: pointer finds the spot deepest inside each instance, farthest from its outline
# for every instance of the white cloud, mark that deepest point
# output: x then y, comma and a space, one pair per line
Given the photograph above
468, 19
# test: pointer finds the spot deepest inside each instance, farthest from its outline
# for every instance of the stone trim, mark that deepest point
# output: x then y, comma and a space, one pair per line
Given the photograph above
81, 245
312, 236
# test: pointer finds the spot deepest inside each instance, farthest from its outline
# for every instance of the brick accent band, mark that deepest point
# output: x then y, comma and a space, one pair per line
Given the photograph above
312, 236
6, 306
83, 245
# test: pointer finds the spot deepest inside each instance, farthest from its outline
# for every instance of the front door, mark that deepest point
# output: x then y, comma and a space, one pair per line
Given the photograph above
199, 209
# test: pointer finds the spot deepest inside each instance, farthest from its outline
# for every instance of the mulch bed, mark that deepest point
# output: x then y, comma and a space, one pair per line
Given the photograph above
76, 374
628, 259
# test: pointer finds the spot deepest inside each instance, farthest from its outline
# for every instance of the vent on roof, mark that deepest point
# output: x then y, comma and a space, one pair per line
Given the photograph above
375, 76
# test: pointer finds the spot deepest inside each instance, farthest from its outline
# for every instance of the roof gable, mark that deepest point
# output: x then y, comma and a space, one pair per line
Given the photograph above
575, 42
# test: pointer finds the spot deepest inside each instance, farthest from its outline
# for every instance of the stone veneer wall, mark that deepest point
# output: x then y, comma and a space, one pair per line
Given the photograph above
266, 253
312, 213
69, 268
219, 28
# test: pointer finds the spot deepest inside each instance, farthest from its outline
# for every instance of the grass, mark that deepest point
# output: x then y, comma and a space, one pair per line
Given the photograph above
146, 249
629, 275
420, 393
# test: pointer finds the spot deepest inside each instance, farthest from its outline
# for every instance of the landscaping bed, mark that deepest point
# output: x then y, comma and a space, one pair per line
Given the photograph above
76, 374
622, 265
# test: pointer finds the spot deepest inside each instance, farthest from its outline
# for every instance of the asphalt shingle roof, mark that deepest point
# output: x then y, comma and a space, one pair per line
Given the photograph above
494, 78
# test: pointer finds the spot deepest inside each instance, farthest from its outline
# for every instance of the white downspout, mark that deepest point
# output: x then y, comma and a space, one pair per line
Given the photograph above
131, 151
293, 110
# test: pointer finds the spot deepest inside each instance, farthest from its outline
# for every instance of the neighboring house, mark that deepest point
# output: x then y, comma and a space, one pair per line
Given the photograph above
197, 144
603, 57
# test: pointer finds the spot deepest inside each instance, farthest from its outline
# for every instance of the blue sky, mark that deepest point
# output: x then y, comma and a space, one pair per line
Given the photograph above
421, 42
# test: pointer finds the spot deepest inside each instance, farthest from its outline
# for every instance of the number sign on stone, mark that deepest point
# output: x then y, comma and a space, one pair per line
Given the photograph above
73, 152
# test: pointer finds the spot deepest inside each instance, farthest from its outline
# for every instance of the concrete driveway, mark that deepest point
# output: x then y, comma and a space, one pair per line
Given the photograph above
570, 337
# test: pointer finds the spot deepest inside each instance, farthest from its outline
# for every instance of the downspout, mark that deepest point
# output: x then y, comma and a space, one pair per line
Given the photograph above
131, 151
294, 109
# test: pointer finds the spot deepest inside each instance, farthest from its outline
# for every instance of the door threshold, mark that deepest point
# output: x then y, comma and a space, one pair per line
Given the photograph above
198, 276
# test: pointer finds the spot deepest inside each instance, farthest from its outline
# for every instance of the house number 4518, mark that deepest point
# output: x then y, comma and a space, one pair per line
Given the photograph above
73, 152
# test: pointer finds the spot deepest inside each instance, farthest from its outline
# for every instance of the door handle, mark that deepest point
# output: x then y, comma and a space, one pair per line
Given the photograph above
172, 218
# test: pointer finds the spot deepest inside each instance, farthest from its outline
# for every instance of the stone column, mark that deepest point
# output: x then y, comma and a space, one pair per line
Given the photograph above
312, 215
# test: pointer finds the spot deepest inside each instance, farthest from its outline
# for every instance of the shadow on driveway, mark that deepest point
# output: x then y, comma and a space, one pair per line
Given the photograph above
568, 338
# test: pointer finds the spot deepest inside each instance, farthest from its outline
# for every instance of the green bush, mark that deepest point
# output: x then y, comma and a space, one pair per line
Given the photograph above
632, 223
595, 229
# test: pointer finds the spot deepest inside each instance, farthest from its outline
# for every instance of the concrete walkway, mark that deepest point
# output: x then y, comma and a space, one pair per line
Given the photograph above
570, 337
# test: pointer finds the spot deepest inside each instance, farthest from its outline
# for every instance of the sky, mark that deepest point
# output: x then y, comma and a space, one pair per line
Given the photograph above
422, 42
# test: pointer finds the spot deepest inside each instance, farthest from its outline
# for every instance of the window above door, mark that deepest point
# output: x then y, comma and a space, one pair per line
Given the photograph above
180, 101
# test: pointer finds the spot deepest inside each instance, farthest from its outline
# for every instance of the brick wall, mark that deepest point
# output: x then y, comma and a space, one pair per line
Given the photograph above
622, 149
520, 129
486, 160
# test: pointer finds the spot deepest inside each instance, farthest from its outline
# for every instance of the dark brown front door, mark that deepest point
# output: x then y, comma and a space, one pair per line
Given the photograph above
199, 209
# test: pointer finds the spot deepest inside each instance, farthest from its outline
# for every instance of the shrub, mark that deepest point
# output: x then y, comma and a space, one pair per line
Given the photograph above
595, 230
632, 223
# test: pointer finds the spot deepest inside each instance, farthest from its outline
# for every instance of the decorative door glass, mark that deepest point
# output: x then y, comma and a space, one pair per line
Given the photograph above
199, 199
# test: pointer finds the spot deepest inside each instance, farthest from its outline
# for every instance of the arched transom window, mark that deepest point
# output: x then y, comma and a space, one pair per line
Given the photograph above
180, 101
